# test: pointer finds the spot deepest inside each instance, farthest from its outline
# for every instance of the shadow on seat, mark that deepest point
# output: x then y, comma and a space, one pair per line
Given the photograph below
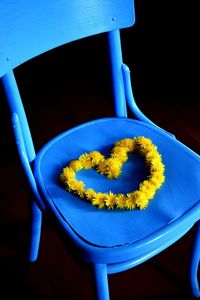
117, 239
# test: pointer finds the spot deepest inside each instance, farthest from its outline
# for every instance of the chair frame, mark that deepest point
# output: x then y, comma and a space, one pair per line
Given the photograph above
123, 95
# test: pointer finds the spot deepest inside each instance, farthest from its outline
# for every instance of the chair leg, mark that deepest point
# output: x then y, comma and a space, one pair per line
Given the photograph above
195, 263
101, 280
35, 231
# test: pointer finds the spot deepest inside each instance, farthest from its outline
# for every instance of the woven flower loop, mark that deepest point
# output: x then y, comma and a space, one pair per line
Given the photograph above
111, 168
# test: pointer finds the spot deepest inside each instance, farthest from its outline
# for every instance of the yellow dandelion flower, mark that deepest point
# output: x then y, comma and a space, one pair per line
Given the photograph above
141, 199
81, 192
145, 146
155, 161
126, 143
114, 168
120, 154
102, 168
110, 200
130, 201
148, 189
156, 167
120, 201
142, 203
76, 165
86, 161
144, 142
75, 185
157, 180
149, 156
68, 174
96, 157
99, 200
90, 194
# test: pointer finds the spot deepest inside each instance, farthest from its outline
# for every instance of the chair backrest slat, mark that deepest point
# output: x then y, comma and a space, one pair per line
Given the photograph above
29, 28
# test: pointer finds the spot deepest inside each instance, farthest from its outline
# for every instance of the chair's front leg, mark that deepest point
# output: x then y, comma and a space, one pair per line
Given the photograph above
35, 231
195, 263
101, 279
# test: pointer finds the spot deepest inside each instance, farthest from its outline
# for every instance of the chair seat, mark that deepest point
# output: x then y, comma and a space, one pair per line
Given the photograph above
114, 228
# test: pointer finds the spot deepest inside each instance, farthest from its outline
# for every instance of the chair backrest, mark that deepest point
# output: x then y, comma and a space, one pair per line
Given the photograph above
29, 28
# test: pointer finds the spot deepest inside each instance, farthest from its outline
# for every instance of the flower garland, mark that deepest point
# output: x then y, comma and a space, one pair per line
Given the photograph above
111, 168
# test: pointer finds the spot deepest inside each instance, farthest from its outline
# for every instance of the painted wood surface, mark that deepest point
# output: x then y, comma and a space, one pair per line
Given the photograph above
29, 28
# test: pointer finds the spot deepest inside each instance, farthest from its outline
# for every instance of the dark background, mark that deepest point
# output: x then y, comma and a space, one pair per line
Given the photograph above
69, 86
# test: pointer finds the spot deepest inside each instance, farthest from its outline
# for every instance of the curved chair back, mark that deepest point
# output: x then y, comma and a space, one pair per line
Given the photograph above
29, 28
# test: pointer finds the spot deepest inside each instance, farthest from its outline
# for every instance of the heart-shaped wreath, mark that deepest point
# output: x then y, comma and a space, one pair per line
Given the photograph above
111, 168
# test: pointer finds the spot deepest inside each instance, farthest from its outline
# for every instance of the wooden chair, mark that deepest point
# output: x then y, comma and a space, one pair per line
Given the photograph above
112, 239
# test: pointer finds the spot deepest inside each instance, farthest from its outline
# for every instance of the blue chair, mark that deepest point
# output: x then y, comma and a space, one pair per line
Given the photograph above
112, 240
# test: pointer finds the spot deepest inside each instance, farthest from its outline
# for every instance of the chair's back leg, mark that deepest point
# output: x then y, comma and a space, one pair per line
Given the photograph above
35, 231
116, 72
195, 262
101, 280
